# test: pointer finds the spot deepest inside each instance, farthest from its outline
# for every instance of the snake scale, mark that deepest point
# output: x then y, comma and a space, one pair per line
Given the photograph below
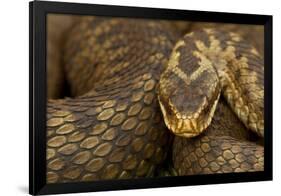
209, 84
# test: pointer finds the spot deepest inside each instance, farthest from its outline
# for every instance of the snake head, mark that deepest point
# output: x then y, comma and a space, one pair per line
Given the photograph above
187, 115
188, 93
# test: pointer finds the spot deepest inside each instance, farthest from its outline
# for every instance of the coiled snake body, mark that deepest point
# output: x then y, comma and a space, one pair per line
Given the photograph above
119, 70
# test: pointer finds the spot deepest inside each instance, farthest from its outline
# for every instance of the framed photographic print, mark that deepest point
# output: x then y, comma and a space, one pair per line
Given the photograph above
130, 97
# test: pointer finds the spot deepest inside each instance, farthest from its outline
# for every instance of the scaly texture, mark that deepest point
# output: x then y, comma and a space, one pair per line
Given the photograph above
203, 64
115, 130
112, 127
225, 147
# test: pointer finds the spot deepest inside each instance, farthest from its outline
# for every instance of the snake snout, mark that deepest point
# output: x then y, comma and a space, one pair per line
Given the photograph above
189, 121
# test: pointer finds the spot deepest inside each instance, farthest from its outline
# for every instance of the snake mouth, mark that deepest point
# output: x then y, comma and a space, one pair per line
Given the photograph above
175, 123
187, 126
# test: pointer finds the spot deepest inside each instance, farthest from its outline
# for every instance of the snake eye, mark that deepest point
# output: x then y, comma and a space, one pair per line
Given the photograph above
165, 107
168, 110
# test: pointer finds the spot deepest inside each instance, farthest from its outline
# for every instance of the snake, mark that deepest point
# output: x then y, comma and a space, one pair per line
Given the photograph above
141, 95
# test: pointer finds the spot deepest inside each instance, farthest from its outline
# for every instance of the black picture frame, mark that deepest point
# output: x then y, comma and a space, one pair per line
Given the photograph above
37, 95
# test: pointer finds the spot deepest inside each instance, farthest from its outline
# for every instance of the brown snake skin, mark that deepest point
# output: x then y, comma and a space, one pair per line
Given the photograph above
203, 65
224, 147
112, 127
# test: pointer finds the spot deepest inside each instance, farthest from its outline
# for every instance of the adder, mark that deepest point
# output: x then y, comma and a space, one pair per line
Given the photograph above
141, 95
